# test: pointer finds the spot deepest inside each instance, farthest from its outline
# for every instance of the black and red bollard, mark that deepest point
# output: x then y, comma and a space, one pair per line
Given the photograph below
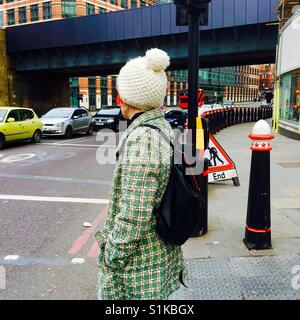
258, 227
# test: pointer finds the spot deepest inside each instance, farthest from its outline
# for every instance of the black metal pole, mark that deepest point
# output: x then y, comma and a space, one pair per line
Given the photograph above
193, 74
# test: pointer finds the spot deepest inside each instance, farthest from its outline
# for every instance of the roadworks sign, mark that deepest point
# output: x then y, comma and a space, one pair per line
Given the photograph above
221, 166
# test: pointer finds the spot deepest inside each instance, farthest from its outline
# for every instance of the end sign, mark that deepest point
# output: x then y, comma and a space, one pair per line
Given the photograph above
221, 166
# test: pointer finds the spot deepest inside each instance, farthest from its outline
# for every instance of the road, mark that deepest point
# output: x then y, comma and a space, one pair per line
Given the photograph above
48, 191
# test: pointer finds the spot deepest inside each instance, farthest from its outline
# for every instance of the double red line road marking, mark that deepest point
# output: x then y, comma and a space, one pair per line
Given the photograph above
83, 239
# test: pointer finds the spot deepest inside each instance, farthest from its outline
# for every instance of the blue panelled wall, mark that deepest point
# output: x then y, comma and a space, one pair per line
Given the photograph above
239, 32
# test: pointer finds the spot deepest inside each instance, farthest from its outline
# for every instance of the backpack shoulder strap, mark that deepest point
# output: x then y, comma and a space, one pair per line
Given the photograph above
164, 136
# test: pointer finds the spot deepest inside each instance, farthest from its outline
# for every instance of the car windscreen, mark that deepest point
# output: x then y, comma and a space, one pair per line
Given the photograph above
108, 112
59, 113
2, 115
174, 114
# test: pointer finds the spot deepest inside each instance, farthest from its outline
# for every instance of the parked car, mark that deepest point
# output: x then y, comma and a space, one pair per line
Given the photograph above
66, 121
108, 118
176, 117
228, 103
19, 124
264, 103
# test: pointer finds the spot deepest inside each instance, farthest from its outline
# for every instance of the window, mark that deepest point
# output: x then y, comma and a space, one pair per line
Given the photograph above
114, 90
2, 115
47, 10
14, 114
1, 19
90, 9
8, 1
1, 1
290, 96
83, 113
22, 15
76, 114
115, 2
68, 8
92, 93
102, 10
124, 4
11, 17
104, 91
133, 4
34, 11
74, 96
26, 115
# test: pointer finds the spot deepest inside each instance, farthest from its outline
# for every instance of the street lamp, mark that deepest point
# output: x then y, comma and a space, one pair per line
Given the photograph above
192, 13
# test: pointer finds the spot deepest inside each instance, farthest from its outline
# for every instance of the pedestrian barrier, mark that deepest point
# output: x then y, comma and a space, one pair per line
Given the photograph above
220, 117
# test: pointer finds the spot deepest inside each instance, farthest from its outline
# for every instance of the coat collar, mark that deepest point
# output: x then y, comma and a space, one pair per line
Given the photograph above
145, 117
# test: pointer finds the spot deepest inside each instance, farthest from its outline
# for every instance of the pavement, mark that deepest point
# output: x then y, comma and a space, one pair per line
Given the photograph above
220, 256
48, 191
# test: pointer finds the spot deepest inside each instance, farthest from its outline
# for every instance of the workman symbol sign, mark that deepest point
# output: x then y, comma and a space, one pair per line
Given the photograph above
213, 153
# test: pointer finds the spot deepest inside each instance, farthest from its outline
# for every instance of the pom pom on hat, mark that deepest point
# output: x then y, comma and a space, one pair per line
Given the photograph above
157, 60
142, 82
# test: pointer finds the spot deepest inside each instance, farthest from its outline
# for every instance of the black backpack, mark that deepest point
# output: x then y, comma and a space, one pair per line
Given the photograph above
180, 209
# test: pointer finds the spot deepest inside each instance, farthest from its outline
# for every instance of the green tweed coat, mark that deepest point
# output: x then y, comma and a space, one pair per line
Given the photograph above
134, 263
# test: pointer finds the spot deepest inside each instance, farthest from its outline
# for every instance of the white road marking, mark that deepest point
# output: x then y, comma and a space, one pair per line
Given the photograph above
52, 199
87, 224
62, 142
80, 145
28, 261
18, 157
11, 257
77, 261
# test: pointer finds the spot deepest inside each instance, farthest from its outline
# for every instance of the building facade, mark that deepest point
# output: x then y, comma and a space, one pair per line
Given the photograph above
239, 84
231, 83
266, 78
287, 95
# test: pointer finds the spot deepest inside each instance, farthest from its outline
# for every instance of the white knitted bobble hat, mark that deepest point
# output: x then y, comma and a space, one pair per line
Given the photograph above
142, 82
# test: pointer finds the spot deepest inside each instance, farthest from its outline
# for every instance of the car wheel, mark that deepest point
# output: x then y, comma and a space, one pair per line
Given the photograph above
69, 132
116, 128
90, 131
2, 141
37, 136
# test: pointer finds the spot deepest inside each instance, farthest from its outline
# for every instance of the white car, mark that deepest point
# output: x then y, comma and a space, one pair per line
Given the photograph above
66, 121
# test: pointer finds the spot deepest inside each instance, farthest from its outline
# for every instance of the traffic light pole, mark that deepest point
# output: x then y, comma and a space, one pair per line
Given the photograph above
193, 75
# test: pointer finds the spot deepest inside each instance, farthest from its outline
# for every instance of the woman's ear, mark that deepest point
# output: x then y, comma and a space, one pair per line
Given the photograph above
119, 101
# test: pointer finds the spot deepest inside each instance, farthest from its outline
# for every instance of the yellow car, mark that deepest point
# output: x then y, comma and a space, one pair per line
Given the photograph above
19, 124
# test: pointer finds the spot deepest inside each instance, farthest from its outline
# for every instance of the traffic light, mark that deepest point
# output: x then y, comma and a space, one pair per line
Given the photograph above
181, 16
184, 7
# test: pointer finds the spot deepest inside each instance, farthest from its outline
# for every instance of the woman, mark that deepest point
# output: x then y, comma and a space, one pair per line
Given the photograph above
134, 263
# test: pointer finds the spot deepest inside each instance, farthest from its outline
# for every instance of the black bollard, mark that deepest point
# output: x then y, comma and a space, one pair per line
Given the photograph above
241, 115
258, 225
255, 114
248, 114
227, 117
244, 115
236, 116
232, 116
